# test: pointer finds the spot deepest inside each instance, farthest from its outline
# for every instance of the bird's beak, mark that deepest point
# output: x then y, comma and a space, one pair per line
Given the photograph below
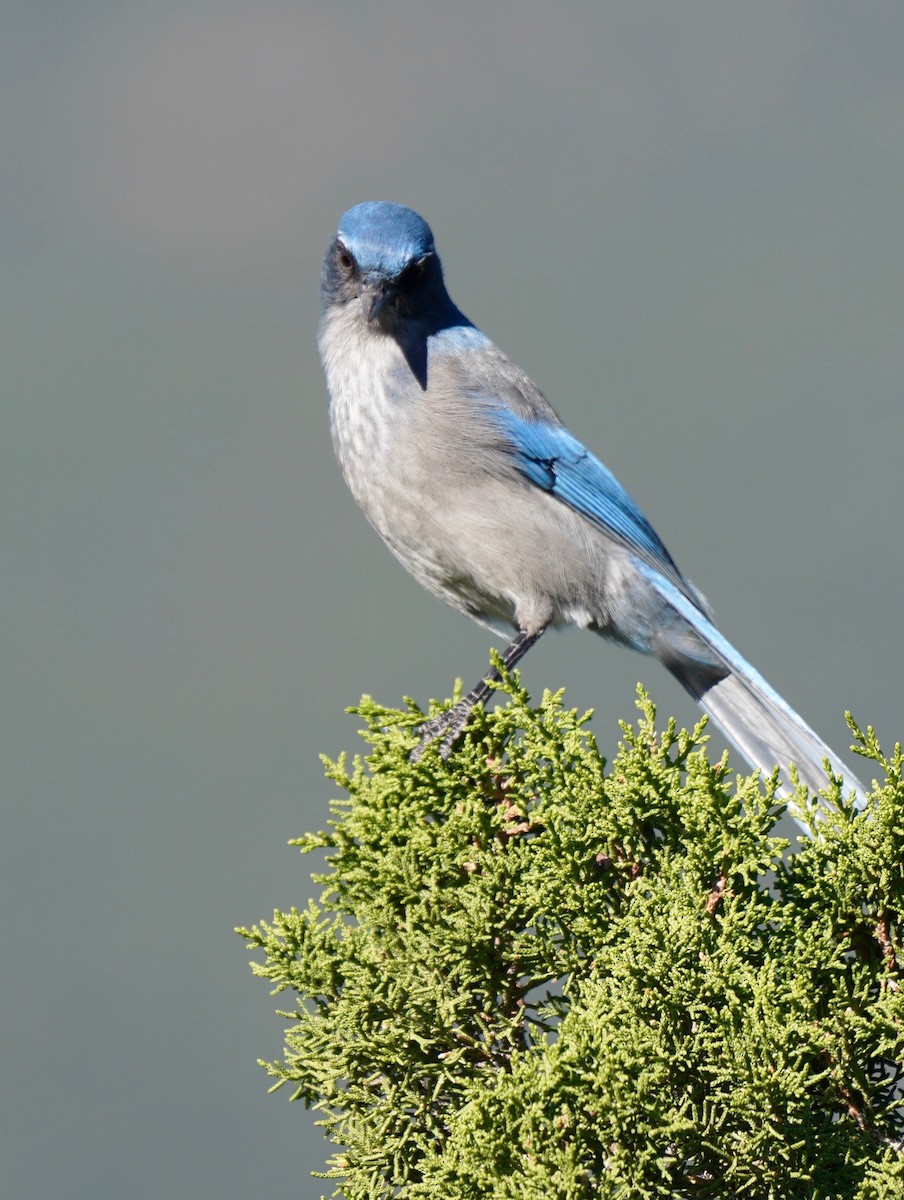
375, 295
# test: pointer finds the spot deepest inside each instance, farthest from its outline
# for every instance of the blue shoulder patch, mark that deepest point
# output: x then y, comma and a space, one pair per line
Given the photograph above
458, 338
556, 461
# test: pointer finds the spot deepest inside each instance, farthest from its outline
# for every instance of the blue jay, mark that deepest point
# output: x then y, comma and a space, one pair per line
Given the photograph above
470, 477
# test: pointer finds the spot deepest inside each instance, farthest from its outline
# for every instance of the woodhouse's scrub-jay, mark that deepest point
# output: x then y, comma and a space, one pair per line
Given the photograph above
469, 476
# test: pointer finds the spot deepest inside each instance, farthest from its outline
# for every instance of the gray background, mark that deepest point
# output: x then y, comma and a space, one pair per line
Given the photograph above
684, 219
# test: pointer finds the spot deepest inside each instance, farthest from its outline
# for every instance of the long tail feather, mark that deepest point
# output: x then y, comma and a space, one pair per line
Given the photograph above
751, 713
768, 734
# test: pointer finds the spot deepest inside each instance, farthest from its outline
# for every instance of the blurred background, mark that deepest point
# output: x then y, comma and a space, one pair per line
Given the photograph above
684, 220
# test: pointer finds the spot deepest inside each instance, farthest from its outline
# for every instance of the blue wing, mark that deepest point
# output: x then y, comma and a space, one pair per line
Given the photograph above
557, 462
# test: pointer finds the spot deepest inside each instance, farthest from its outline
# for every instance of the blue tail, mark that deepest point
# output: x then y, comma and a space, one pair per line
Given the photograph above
751, 714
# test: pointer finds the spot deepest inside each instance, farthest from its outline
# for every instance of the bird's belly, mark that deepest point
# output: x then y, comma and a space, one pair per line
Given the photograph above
494, 547
443, 541
497, 550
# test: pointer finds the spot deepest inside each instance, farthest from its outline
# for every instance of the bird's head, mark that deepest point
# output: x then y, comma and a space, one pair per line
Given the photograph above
383, 254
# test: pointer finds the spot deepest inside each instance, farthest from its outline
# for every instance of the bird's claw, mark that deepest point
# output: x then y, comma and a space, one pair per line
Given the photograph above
447, 725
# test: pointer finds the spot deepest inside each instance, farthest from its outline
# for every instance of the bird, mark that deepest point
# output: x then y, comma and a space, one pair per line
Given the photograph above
475, 484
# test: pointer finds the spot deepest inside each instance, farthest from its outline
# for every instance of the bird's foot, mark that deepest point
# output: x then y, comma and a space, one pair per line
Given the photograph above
447, 725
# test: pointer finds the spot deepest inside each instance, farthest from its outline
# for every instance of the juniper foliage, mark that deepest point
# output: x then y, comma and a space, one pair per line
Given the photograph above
531, 977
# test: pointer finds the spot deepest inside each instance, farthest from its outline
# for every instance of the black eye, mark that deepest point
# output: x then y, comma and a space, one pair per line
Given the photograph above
417, 269
346, 262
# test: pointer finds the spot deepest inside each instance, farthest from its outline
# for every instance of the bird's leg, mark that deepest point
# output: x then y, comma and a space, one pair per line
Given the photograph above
448, 725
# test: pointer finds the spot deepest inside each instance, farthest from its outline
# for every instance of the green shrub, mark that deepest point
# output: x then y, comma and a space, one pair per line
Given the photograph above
531, 976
